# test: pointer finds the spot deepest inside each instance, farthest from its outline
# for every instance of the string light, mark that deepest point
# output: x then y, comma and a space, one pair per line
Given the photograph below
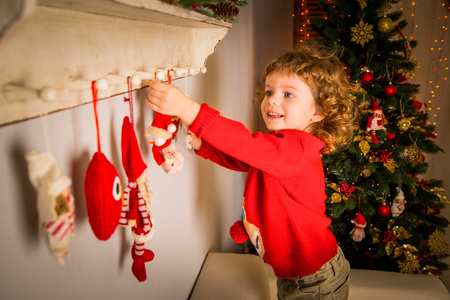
439, 47
302, 23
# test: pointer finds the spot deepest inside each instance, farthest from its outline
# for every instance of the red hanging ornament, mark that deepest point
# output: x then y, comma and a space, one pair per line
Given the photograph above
398, 205
102, 188
383, 210
360, 223
367, 77
402, 78
238, 233
390, 90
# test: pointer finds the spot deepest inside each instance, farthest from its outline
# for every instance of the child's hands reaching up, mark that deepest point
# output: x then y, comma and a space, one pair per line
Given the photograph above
169, 100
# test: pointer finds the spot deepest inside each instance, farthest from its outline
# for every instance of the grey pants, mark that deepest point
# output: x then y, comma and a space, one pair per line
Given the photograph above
330, 282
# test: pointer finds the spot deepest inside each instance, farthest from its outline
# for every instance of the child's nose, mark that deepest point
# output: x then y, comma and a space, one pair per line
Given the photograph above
273, 100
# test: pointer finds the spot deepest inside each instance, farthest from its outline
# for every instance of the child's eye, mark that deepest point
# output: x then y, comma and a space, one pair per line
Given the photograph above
268, 93
288, 95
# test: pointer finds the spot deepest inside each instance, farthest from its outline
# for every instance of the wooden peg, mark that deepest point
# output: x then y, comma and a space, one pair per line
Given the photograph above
14, 92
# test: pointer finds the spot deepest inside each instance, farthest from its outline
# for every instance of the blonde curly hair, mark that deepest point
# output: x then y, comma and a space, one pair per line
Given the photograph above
324, 74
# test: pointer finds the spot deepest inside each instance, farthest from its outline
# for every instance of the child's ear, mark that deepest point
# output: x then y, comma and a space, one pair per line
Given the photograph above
316, 118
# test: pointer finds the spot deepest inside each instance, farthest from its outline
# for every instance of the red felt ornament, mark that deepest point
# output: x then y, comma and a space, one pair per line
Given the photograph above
367, 77
238, 233
102, 189
390, 89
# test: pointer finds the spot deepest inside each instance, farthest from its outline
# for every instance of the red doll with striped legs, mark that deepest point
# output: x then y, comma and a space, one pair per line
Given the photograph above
136, 207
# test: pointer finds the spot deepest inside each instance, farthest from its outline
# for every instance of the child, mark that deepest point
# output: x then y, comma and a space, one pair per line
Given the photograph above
307, 109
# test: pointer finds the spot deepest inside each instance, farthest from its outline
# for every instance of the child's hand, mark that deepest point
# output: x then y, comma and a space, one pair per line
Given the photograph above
169, 100
196, 142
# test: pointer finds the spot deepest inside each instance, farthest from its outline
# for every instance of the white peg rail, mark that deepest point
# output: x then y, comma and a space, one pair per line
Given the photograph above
51, 50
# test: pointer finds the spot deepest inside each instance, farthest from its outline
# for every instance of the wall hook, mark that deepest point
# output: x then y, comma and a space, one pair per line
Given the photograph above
14, 92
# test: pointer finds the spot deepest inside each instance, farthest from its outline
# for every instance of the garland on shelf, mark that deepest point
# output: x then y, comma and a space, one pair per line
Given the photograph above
227, 10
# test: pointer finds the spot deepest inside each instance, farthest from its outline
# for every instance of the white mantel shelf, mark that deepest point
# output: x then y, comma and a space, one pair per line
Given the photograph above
61, 46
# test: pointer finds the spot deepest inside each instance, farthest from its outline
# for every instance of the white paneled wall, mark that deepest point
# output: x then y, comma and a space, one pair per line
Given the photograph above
193, 210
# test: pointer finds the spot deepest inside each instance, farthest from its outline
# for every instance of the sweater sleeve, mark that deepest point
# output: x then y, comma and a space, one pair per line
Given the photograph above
209, 152
280, 154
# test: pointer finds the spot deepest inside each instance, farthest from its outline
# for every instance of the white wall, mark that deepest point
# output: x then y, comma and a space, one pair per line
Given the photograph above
193, 210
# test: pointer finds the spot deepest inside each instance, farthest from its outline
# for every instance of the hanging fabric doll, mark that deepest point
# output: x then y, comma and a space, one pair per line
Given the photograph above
162, 131
102, 189
398, 205
376, 122
358, 233
166, 155
55, 203
136, 208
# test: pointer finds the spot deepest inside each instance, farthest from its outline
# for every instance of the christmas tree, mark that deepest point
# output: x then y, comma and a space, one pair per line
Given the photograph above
385, 215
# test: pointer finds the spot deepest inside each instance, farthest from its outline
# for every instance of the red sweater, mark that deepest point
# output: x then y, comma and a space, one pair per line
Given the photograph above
284, 208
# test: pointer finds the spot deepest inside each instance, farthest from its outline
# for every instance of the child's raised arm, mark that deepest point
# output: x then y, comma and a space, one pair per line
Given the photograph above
169, 100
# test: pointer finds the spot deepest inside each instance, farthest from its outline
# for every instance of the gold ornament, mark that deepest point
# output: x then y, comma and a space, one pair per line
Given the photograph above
336, 198
429, 270
363, 138
391, 165
411, 264
362, 33
393, 246
362, 3
410, 73
364, 146
404, 124
376, 236
437, 245
414, 154
440, 193
384, 25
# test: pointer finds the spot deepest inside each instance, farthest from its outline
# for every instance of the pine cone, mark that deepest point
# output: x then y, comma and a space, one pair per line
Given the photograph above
227, 9
171, 1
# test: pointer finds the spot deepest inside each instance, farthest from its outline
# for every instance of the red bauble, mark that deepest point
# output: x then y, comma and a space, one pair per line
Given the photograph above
402, 78
390, 89
417, 104
383, 210
238, 233
367, 77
